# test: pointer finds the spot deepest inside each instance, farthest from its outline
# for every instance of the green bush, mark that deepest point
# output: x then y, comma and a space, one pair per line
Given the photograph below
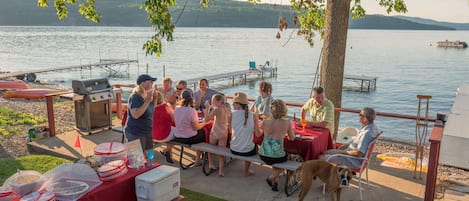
10, 118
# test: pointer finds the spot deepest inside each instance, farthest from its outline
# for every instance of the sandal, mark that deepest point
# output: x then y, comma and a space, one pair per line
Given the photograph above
168, 157
269, 181
275, 186
212, 170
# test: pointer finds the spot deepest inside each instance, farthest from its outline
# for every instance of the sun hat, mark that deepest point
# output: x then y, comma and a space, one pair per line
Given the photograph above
186, 94
240, 97
144, 77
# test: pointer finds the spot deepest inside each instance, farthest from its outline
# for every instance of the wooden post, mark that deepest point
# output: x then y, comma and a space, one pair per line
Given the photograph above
50, 115
433, 160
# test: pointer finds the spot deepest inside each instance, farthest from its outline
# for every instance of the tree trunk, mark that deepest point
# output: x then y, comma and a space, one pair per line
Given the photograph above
333, 55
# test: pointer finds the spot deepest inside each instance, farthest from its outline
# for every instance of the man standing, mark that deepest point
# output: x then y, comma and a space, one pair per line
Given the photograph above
203, 94
140, 118
321, 110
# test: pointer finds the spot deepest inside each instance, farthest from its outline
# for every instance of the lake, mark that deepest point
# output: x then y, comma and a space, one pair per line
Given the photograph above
406, 62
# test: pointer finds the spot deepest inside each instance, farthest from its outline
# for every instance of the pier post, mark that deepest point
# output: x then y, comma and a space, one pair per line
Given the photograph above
50, 115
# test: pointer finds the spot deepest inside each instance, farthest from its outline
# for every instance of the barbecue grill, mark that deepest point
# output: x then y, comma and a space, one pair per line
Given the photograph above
92, 99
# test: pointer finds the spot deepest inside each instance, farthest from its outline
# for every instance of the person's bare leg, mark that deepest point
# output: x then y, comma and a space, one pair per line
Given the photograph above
247, 171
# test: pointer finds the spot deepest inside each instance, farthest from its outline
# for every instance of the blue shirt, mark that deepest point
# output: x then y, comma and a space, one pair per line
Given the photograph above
141, 126
208, 96
362, 141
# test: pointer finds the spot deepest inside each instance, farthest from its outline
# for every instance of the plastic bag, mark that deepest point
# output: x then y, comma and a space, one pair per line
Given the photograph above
70, 181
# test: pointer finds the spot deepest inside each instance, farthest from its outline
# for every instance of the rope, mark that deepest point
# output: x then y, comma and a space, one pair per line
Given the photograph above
316, 75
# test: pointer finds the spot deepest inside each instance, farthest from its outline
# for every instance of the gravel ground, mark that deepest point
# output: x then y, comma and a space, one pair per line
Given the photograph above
15, 146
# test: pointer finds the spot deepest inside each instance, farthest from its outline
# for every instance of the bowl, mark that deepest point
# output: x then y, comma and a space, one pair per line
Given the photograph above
24, 182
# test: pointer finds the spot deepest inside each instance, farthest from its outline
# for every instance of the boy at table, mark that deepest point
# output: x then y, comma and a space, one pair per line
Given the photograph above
321, 110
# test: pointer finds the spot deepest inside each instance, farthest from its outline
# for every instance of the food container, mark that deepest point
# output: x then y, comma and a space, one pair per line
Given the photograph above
110, 151
39, 196
68, 189
116, 175
111, 168
24, 182
162, 183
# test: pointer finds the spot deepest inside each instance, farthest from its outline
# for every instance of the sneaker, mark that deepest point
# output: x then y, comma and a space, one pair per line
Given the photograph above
275, 186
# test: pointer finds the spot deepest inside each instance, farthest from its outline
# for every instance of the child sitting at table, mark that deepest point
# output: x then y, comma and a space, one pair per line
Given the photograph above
219, 133
272, 148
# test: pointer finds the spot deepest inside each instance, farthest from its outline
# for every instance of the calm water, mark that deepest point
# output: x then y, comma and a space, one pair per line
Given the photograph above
405, 62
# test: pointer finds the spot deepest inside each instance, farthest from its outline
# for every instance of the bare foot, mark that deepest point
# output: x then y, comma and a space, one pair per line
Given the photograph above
249, 173
221, 174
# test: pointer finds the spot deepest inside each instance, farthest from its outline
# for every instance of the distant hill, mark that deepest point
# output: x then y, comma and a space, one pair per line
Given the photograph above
221, 13
457, 26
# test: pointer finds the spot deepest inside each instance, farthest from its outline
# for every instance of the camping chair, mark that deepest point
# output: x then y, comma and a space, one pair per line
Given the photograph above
363, 166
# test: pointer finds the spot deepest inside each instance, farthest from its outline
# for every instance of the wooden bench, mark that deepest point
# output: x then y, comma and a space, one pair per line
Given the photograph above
293, 176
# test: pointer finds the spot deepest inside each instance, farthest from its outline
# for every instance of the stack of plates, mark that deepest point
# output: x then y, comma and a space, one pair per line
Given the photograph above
110, 151
39, 196
112, 170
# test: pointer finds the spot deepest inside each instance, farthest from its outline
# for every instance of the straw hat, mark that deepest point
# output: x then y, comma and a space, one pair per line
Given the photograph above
240, 97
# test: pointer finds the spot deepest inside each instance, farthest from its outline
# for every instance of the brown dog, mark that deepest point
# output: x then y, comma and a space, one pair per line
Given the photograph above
334, 176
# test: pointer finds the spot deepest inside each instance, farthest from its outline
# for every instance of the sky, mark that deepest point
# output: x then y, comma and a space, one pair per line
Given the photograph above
440, 10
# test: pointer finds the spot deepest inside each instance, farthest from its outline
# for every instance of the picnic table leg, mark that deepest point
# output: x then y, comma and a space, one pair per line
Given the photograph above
204, 163
180, 160
293, 181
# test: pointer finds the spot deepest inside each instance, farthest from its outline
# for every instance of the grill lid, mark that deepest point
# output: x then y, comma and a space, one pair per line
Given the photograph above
88, 86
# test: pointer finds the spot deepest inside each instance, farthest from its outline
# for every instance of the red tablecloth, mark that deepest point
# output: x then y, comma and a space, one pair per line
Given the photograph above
121, 188
310, 149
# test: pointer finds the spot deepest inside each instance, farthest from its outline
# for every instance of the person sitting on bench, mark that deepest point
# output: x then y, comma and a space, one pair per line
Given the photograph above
271, 150
244, 124
188, 129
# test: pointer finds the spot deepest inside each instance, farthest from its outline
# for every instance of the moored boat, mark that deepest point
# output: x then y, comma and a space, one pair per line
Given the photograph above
30, 94
12, 85
455, 44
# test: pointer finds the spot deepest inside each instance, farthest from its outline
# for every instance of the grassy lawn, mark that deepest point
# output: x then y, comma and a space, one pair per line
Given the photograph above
9, 166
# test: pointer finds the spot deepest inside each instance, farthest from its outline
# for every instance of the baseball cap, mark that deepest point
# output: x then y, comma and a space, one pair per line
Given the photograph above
144, 77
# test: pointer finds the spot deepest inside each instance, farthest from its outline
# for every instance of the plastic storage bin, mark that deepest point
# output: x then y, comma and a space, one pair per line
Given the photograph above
161, 184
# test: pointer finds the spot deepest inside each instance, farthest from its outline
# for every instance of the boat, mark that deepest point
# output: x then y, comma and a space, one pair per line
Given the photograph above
455, 44
30, 94
12, 85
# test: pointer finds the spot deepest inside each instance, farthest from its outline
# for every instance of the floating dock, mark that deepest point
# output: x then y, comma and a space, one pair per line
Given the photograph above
365, 83
107, 64
236, 75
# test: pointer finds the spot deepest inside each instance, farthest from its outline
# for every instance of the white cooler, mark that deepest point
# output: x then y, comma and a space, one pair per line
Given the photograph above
161, 184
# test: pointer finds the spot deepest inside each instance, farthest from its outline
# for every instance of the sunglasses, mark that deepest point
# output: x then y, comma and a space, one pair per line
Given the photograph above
179, 89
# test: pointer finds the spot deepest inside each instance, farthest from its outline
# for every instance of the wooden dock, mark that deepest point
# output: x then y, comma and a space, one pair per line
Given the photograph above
365, 83
106, 64
234, 76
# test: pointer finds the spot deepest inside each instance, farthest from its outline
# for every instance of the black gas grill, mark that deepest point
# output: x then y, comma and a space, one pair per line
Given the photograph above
92, 100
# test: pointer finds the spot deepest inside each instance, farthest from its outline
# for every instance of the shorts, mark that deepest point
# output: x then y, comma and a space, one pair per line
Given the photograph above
250, 153
200, 137
271, 161
146, 141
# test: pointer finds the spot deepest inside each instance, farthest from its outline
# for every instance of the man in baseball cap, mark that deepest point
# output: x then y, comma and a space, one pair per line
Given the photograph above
144, 77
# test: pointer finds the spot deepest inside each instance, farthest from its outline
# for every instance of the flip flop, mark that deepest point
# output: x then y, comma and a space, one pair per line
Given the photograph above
212, 170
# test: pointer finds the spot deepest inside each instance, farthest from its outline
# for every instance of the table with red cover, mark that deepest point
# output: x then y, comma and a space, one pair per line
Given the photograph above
121, 188
309, 149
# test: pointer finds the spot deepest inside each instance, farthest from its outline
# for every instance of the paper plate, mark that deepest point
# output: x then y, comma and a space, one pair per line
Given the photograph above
111, 168
39, 196
109, 178
68, 188
109, 148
